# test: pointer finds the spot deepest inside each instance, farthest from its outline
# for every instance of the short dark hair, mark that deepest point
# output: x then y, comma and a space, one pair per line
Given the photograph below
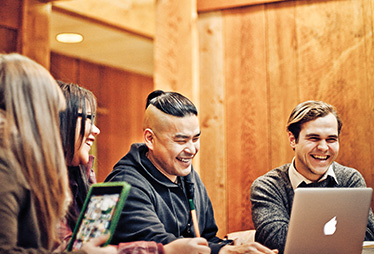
171, 103
309, 111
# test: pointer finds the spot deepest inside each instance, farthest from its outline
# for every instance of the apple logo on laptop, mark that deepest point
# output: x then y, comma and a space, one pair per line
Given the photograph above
330, 226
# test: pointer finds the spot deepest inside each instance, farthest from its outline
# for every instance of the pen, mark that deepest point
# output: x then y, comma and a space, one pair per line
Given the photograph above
194, 218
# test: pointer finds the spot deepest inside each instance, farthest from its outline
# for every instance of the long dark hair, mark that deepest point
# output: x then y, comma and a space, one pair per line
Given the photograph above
76, 100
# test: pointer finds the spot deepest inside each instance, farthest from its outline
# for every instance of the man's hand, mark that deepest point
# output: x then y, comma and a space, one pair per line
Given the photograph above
196, 245
241, 237
248, 248
93, 246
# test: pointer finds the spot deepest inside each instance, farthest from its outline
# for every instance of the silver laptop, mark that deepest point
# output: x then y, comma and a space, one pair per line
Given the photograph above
328, 220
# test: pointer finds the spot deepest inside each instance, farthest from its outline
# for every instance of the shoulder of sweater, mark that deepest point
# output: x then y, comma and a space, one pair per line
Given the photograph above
344, 171
275, 176
277, 172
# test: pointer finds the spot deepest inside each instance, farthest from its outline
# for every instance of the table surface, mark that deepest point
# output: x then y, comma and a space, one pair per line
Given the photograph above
368, 247
368, 251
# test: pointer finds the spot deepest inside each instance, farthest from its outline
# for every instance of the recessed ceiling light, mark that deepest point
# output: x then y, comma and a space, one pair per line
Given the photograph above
69, 38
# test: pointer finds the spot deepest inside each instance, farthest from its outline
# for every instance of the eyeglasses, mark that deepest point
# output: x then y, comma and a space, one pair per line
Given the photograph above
88, 116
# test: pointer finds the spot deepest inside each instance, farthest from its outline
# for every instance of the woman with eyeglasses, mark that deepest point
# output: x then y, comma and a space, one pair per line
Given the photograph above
78, 132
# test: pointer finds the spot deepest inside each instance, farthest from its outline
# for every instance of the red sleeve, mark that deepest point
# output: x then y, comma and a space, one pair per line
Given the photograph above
64, 233
160, 247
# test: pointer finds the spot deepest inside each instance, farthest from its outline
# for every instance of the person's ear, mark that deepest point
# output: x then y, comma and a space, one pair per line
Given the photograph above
292, 140
148, 138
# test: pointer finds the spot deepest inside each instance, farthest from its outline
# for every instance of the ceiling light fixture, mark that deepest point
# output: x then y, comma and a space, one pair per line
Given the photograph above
69, 38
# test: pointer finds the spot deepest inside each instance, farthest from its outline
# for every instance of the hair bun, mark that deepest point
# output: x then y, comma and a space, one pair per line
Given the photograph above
153, 95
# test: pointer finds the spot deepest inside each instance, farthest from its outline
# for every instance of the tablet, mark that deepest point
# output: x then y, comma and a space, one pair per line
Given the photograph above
100, 214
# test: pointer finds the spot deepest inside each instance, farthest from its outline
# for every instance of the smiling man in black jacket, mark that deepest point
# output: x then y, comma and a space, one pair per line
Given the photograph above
163, 180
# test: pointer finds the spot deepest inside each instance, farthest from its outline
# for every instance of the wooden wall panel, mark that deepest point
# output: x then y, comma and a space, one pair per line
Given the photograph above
337, 73
210, 5
121, 98
212, 115
125, 98
64, 68
246, 108
282, 83
90, 75
8, 40
276, 56
34, 37
116, 124
137, 101
368, 89
176, 51
10, 13
10, 23
176, 47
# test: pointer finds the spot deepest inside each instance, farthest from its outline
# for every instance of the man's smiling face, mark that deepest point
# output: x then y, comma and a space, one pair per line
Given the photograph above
172, 141
317, 146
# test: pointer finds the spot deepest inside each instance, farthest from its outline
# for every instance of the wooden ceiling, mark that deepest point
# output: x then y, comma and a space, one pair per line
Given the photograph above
117, 33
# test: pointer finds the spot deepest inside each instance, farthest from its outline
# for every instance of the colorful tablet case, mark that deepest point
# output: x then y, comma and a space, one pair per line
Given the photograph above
100, 214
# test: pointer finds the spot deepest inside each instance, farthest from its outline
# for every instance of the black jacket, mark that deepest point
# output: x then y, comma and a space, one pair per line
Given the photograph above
158, 209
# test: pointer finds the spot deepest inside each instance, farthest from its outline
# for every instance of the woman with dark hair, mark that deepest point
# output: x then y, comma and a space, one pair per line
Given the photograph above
34, 193
78, 132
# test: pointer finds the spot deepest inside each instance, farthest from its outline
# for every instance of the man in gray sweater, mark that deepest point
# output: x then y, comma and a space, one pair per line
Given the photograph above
313, 128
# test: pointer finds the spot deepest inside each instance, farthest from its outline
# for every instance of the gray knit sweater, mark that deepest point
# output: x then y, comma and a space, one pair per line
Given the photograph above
272, 196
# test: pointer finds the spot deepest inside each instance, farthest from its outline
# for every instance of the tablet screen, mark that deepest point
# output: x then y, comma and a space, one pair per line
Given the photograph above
96, 220
100, 213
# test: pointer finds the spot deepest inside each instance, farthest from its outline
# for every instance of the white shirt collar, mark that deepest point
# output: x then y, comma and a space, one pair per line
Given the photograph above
296, 178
